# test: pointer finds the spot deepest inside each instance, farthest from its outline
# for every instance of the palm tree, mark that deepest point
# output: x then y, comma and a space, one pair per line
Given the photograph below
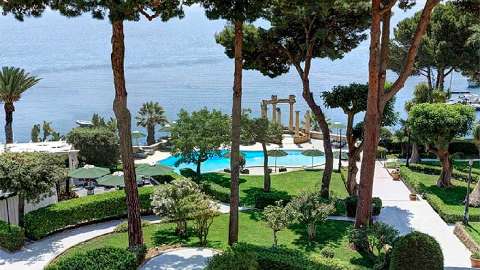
13, 82
150, 115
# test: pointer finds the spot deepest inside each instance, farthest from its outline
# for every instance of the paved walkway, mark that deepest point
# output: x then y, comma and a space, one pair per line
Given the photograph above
406, 215
180, 259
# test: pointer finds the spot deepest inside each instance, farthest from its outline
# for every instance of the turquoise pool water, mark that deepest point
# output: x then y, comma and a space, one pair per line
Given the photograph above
252, 158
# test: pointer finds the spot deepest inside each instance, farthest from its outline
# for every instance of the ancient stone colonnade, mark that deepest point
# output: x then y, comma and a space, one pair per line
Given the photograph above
277, 114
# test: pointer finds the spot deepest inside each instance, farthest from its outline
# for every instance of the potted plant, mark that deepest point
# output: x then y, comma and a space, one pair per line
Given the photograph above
413, 196
396, 174
475, 260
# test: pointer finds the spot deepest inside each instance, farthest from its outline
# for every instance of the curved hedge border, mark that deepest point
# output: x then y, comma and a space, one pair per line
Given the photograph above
103, 258
437, 170
89, 209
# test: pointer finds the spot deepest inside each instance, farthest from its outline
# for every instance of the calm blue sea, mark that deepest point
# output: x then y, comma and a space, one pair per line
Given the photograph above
176, 63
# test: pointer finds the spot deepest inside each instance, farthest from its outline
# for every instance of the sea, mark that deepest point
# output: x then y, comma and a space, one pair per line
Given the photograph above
176, 63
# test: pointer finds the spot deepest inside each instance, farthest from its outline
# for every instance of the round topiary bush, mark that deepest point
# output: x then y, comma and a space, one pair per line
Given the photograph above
417, 251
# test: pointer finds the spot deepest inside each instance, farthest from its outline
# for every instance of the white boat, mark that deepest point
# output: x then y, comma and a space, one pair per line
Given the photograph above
84, 123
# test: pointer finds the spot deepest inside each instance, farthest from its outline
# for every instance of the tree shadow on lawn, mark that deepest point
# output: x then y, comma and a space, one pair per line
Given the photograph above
331, 234
220, 179
167, 236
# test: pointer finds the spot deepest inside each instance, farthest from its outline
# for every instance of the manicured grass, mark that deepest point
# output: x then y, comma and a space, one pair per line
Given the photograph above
448, 202
473, 230
291, 183
252, 230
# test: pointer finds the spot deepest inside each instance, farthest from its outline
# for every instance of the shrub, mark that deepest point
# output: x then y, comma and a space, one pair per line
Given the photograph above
164, 179
310, 208
177, 201
263, 199
418, 251
437, 170
376, 206
288, 259
103, 258
351, 206
65, 214
204, 212
327, 252
123, 227
188, 173
12, 237
98, 146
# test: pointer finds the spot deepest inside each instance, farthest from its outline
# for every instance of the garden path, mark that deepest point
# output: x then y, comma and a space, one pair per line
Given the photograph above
406, 215
180, 259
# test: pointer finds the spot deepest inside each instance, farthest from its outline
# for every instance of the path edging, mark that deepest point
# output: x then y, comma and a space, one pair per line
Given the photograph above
465, 238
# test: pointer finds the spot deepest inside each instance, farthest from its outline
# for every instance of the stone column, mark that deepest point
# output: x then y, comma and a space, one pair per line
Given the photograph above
274, 108
290, 119
307, 123
263, 108
297, 123
279, 116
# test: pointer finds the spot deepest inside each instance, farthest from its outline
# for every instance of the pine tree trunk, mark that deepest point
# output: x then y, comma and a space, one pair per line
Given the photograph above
199, 168
21, 211
266, 172
235, 151
446, 175
9, 109
353, 155
327, 144
415, 156
150, 134
135, 234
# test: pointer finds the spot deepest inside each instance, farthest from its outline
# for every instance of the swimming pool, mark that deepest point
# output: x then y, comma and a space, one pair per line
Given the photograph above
252, 158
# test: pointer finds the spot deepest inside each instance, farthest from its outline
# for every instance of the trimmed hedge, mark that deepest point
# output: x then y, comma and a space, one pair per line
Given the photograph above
103, 258
351, 206
216, 191
417, 251
12, 237
264, 199
277, 258
188, 173
437, 170
65, 214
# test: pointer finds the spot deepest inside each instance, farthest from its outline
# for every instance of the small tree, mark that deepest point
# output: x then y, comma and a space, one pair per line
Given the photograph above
199, 136
35, 134
264, 132
150, 115
352, 99
436, 125
31, 176
97, 146
203, 214
176, 201
277, 217
310, 209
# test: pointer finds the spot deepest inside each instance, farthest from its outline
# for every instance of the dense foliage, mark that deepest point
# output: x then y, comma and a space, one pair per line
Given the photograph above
416, 250
97, 146
12, 237
263, 258
65, 214
277, 217
199, 135
102, 258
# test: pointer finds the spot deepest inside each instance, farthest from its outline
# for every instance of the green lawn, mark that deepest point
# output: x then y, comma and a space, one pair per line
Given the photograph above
473, 230
252, 230
292, 183
448, 202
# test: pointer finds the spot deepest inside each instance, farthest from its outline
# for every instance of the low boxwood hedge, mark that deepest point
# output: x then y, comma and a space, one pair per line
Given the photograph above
437, 170
65, 214
12, 237
103, 258
216, 191
264, 199
277, 258
351, 206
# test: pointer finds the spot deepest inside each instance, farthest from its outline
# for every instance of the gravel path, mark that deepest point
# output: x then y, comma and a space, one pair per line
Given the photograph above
180, 259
